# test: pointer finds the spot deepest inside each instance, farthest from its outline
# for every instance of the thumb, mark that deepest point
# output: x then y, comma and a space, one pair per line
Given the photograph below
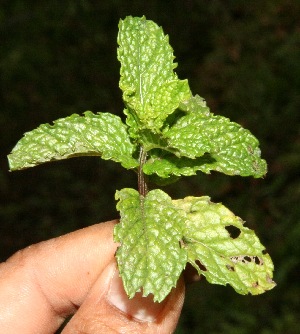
107, 309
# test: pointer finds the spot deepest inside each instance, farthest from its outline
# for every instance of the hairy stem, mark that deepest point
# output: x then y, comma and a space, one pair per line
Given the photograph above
141, 176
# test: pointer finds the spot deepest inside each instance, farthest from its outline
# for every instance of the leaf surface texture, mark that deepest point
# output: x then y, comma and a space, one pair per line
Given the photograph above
150, 257
222, 249
101, 134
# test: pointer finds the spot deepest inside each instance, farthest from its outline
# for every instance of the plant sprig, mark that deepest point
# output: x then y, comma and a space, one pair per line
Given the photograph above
168, 133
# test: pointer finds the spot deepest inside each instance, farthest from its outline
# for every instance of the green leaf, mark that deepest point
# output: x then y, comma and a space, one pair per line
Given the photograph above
222, 249
151, 89
101, 134
233, 150
168, 165
150, 257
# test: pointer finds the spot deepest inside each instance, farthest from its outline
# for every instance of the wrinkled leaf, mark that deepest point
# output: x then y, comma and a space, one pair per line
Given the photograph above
101, 134
222, 249
151, 89
170, 165
150, 258
234, 149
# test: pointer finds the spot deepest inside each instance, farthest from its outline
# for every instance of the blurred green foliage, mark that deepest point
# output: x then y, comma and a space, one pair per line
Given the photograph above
58, 58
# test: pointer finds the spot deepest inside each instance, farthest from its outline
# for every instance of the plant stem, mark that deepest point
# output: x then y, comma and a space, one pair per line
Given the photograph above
143, 189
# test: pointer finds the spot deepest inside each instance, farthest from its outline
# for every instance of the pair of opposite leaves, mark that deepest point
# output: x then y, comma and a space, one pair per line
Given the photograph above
179, 136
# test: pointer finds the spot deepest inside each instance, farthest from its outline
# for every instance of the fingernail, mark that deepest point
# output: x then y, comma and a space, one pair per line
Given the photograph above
139, 307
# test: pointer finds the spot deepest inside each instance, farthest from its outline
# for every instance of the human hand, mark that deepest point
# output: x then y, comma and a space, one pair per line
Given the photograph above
76, 274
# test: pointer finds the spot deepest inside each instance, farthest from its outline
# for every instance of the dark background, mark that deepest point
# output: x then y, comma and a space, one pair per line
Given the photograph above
59, 57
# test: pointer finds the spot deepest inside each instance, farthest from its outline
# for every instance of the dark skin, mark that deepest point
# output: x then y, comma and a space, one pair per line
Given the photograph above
77, 274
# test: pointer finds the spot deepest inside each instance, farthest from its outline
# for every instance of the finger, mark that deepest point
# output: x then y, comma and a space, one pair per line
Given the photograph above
110, 311
44, 283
